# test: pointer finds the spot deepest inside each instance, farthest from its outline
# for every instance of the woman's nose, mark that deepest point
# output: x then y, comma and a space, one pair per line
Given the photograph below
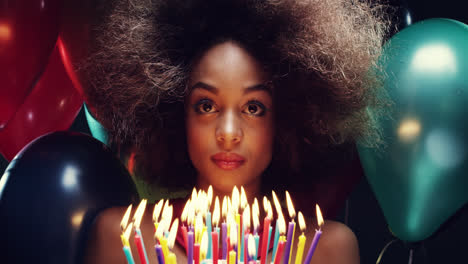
229, 132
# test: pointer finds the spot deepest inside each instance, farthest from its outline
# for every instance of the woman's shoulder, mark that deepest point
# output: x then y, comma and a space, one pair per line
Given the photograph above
337, 244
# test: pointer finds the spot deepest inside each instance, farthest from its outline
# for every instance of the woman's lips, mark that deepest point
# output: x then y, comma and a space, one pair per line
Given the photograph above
228, 161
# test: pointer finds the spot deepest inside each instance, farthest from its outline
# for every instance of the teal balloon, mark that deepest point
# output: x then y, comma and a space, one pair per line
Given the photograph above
421, 178
97, 130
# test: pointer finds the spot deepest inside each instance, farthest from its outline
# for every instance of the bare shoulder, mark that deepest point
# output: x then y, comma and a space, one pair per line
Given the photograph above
337, 245
104, 243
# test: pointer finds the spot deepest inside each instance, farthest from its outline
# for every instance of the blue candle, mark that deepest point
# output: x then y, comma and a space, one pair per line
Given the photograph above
277, 234
208, 230
128, 255
256, 238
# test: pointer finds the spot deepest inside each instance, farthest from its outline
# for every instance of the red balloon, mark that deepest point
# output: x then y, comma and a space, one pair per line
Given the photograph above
28, 31
52, 105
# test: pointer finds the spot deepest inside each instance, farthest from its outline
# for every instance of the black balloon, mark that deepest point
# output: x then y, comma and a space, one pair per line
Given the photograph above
51, 193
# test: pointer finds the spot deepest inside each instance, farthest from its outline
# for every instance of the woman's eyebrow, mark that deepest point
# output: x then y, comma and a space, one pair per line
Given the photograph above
258, 87
204, 86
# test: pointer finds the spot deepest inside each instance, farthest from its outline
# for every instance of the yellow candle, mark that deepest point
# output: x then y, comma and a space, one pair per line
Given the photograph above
165, 249
239, 227
232, 257
300, 249
172, 258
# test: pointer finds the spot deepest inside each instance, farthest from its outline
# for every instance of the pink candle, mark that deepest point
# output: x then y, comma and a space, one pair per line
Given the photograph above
183, 229
214, 238
246, 250
196, 253
279, 251
263, 253
141, 250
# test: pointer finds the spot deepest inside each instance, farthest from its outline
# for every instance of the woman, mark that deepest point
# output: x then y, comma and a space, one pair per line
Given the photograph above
228, 93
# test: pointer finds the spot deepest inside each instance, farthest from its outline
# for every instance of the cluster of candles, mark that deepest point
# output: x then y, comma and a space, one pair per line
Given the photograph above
201, 231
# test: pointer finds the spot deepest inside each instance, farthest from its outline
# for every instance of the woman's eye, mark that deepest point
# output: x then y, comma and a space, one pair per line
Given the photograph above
205, 106
255, 108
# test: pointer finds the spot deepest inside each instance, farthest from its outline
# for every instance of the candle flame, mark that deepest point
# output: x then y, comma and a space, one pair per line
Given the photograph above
291, 210
191, 213
194, 194
137, 217
319, 216
235, 199
198, 228
173, 233
255, 207
270, 211
184, 215
255, 215
5, 32
204, 245
252, 249
246, 217
281, 225
128, 231
277, 204
243, 198
229, 204
216, 214
210, 196
225, 208
167, 216
233, 233
302, 224
157, 210
159, 234
126, 217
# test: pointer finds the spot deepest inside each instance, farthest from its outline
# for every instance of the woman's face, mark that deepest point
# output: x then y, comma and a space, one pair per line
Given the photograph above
229, 119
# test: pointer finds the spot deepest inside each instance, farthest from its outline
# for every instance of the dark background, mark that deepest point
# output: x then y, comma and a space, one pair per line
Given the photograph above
362, 212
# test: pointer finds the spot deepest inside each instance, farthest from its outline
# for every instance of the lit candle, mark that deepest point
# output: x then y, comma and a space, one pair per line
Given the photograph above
190, 247
246, 229
282, 240
291, 229
196, 253
270, 209
138, 236
208, 220
224, 229
156, 213
126, 245
256, 225
280, 215
302, 239
140, 248
279, 253
204, 246
172, 258
173, 234
233, 241
317, 235
183, 228
235, 207
214, 234
159, 254
266, 226
252, 249
243, 205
